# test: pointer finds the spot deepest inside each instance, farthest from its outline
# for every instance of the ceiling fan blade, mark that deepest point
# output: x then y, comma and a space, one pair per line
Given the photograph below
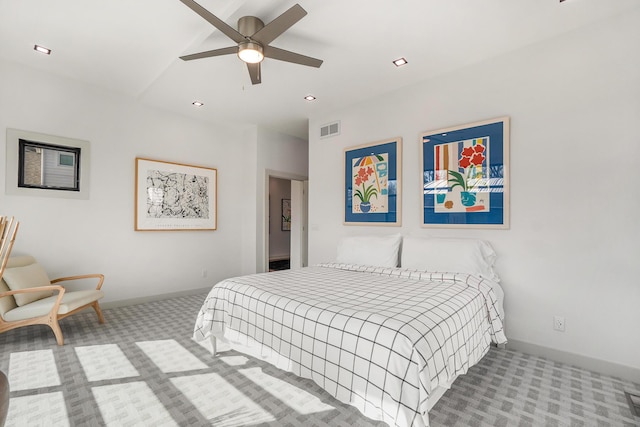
255, 73
279, 25
215, 21
210, 53
296, 58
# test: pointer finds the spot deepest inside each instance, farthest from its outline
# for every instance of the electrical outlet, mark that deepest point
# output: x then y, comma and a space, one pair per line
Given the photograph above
558, 323
204, 273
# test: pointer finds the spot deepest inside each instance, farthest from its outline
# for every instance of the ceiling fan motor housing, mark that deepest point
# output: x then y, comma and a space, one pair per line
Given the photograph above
249, 25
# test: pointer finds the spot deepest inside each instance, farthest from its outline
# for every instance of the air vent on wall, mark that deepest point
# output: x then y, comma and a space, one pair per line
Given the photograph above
330, 129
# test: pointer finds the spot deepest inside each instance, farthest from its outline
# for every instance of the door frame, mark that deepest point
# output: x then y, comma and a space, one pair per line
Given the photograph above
270, 173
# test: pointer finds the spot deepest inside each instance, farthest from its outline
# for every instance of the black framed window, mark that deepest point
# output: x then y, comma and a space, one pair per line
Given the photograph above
48, 166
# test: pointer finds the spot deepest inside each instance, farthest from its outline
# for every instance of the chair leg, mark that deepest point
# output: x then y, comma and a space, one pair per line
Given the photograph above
55, 326
96, 307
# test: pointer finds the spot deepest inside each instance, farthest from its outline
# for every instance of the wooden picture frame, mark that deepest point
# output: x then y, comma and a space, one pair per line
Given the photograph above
175, 197
465, 175
372, 183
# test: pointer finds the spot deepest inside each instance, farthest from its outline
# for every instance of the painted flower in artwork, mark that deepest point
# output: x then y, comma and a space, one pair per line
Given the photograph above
362, 177
471, 158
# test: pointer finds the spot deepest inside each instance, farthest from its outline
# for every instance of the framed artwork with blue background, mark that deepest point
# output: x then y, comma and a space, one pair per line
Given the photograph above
372, 178
465, 175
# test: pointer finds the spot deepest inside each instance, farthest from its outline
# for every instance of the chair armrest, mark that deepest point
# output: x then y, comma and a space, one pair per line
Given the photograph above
37, 289
100, 278
54, 309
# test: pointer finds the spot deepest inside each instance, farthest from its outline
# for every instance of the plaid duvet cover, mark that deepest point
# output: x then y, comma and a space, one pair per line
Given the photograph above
379, 339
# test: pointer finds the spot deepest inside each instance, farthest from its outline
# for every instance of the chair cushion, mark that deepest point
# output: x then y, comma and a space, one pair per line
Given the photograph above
28, 276
9, 303
71, 300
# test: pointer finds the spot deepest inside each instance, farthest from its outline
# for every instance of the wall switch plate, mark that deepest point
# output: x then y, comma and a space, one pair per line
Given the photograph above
558, 323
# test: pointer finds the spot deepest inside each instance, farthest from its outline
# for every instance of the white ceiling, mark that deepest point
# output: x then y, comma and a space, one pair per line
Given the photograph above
132, 47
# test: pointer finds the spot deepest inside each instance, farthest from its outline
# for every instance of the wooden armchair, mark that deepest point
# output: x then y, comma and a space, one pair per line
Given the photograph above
27, 296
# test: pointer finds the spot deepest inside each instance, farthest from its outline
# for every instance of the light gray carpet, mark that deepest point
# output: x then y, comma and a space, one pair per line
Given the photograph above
142, 368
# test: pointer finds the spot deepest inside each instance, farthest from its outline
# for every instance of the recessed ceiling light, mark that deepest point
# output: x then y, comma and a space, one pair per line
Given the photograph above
197, 103
42, 49
400, 62
310, 98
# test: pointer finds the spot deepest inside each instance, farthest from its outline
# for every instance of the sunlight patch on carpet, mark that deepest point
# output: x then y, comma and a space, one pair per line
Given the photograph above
170, 356
297, 399
220, 402
131, 404
46, 409
32, 369
105, 362
234, 360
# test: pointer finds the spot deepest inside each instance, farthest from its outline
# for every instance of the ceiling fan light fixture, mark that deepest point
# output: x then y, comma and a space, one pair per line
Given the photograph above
250, 52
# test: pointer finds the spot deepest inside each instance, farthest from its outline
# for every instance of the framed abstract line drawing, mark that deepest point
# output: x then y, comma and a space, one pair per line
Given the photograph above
372, 187
286, 215
465, 175
175, 197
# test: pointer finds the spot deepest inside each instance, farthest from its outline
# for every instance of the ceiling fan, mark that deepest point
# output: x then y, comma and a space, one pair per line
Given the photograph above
253, 38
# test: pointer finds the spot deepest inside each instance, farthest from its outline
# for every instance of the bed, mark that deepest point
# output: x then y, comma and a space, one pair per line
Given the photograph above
384, 339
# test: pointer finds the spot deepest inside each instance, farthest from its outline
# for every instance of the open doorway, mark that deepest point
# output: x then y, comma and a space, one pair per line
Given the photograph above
279, 224
286, 221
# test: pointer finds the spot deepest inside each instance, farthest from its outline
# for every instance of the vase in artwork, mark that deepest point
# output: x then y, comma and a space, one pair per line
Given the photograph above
365, 207
467, 198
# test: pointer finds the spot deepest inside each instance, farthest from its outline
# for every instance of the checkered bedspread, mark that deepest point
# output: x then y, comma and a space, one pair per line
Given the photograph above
379, 339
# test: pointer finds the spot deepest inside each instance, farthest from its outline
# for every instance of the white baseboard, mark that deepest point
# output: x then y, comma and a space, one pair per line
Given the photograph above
141, 300
596, 365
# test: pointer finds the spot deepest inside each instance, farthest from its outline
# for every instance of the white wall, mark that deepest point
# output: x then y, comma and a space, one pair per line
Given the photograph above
573, 246
280, 155
249, 210
96, 235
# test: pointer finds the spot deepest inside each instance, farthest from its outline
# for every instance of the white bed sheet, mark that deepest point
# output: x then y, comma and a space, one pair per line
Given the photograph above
380, 339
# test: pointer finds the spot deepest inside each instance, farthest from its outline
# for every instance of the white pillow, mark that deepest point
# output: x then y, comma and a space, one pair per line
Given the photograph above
470, 256
29, 276
381, 251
